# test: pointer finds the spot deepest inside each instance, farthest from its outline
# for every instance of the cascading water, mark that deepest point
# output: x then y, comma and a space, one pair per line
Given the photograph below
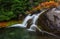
35, 17
24, 24
33, 27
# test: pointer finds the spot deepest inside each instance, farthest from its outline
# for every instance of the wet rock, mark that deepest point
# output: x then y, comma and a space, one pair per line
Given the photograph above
50, 20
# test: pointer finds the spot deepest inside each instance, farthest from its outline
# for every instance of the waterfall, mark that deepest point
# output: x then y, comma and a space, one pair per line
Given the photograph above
28, 17
24, 23
35, 17
33, 27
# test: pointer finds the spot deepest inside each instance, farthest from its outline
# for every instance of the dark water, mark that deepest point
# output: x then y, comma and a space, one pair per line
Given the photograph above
18, 33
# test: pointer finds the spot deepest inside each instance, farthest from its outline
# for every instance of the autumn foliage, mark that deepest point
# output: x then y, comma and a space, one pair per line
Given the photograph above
3, 24
43, 5
49, 4
40, 6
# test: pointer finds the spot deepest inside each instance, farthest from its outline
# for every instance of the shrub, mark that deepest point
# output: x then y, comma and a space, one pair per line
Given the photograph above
12, 8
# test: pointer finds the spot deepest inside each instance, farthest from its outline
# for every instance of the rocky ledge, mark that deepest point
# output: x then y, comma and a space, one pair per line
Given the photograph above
50, 20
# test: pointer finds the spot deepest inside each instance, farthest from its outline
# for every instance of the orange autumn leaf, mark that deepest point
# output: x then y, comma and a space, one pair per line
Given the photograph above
3, 24
43, 5
52, 3
49, 4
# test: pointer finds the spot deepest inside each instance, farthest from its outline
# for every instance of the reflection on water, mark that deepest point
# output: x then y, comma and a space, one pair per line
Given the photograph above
18, 33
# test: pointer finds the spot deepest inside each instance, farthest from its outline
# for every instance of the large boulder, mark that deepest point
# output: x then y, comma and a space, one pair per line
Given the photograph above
50, 20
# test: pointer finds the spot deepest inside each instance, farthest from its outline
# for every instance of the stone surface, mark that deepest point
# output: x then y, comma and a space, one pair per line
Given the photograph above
50, 21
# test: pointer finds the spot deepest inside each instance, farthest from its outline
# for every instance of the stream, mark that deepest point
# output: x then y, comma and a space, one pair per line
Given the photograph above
18, 33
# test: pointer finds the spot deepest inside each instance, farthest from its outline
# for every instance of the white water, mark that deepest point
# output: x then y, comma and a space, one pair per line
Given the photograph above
35, 17
24, 24
33, 27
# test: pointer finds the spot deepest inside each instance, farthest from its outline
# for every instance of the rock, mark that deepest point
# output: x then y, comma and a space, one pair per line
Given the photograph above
50, 21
